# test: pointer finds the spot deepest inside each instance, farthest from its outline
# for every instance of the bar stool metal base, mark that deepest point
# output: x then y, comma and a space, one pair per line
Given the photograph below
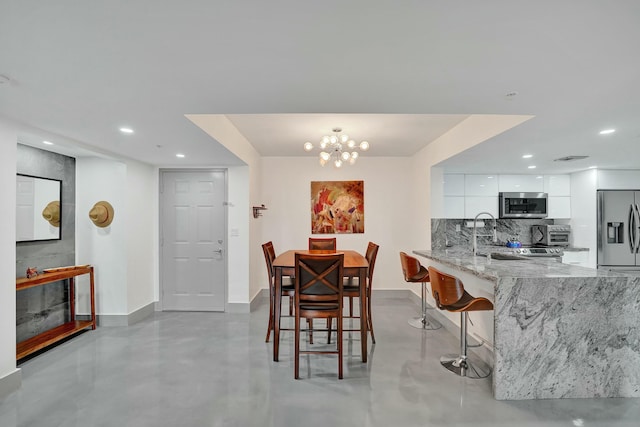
424, 323
460, 364
464, 367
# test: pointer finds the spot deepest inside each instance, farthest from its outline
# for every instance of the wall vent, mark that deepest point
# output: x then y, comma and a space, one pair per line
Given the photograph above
570, 158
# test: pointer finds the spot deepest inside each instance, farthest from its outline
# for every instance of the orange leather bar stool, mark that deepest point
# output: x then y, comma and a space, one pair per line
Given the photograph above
416, 273
450, 295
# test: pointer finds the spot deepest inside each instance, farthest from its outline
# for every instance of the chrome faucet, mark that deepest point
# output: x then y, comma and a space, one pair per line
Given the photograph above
475, 232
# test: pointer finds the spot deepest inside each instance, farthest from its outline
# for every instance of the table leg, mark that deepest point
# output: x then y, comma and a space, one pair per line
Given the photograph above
364, 322
276, 312
93, 299
72, 300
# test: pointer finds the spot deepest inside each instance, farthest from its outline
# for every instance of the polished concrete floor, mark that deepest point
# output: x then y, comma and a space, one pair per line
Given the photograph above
214, 369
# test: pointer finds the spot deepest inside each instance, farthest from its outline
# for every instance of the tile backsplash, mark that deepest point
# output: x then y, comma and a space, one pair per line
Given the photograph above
454, 232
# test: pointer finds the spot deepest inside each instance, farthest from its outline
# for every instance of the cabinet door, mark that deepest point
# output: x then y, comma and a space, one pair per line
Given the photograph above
453, 184
557, 185
453, 207
480, 185
473, 205
580, 258
559, 207
521, 183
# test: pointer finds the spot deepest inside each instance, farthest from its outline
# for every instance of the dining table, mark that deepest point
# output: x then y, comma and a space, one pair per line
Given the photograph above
355, 265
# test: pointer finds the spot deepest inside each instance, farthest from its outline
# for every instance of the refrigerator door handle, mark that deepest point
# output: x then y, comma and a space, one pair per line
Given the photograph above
632, 228
637, 227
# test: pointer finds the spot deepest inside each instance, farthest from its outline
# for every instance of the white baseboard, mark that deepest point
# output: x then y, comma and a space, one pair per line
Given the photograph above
10, 383
127, 319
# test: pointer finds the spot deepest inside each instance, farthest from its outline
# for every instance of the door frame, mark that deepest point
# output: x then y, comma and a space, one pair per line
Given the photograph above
161, 173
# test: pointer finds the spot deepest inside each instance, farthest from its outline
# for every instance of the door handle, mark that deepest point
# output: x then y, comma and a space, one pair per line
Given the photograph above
218, 251
636, 232
631, 227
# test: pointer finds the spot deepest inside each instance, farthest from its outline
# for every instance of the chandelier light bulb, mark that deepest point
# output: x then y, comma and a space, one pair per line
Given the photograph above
332, 146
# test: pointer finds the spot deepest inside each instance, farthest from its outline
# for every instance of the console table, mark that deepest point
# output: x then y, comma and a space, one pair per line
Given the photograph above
58, 333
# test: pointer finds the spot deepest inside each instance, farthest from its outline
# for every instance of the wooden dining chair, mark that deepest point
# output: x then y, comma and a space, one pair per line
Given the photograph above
287, 286
352, 287
318, 243
318, 294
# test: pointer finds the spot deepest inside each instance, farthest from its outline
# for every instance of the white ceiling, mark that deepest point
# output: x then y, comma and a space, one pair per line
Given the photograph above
380, 70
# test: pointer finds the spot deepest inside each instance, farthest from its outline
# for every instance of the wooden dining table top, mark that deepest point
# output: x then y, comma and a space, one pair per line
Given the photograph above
352, 259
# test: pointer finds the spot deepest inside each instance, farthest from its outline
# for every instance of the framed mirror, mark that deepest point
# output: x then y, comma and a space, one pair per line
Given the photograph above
38, 208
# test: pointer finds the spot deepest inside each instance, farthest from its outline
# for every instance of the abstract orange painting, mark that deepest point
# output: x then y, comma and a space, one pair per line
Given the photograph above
337, 207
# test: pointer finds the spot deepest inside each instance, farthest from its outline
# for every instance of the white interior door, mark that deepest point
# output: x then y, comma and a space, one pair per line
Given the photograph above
193, 229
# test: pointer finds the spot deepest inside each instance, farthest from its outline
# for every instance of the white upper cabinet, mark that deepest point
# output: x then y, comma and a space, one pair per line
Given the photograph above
453, 184
559, 207
473, 205
557, 185
618, 179
454, 207
481, 185
521, 183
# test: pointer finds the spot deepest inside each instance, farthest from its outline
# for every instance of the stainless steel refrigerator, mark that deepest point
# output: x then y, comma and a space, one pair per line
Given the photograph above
619, 230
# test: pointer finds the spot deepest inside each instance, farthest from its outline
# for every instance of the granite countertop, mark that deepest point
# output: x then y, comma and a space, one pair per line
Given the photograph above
493, 269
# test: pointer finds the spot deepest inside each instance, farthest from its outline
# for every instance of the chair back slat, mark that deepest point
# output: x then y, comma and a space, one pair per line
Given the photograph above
319, 277
446, 289
410, 266
371, 255
269, 256
324, 244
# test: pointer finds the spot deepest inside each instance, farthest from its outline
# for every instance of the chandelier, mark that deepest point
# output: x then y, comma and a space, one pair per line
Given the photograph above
338, 148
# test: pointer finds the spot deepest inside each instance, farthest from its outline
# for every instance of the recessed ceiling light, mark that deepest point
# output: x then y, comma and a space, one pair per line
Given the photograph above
180, 155
489, 177
592, 167
607, 131
126, 130
47, 142
539, 177
527, 156
532, 167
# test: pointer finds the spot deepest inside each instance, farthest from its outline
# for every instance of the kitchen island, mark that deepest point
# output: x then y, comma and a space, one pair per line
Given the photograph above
557, 330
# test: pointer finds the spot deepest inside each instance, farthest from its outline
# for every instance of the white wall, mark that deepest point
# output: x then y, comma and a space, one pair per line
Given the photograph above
245, 256
238, 239
8, 141
105, 248
388, 191
140, 214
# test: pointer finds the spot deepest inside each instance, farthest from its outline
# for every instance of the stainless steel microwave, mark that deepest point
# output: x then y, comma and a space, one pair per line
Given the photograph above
523, 205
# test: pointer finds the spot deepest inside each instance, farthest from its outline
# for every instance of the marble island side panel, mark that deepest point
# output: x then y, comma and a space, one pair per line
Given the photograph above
560, 331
